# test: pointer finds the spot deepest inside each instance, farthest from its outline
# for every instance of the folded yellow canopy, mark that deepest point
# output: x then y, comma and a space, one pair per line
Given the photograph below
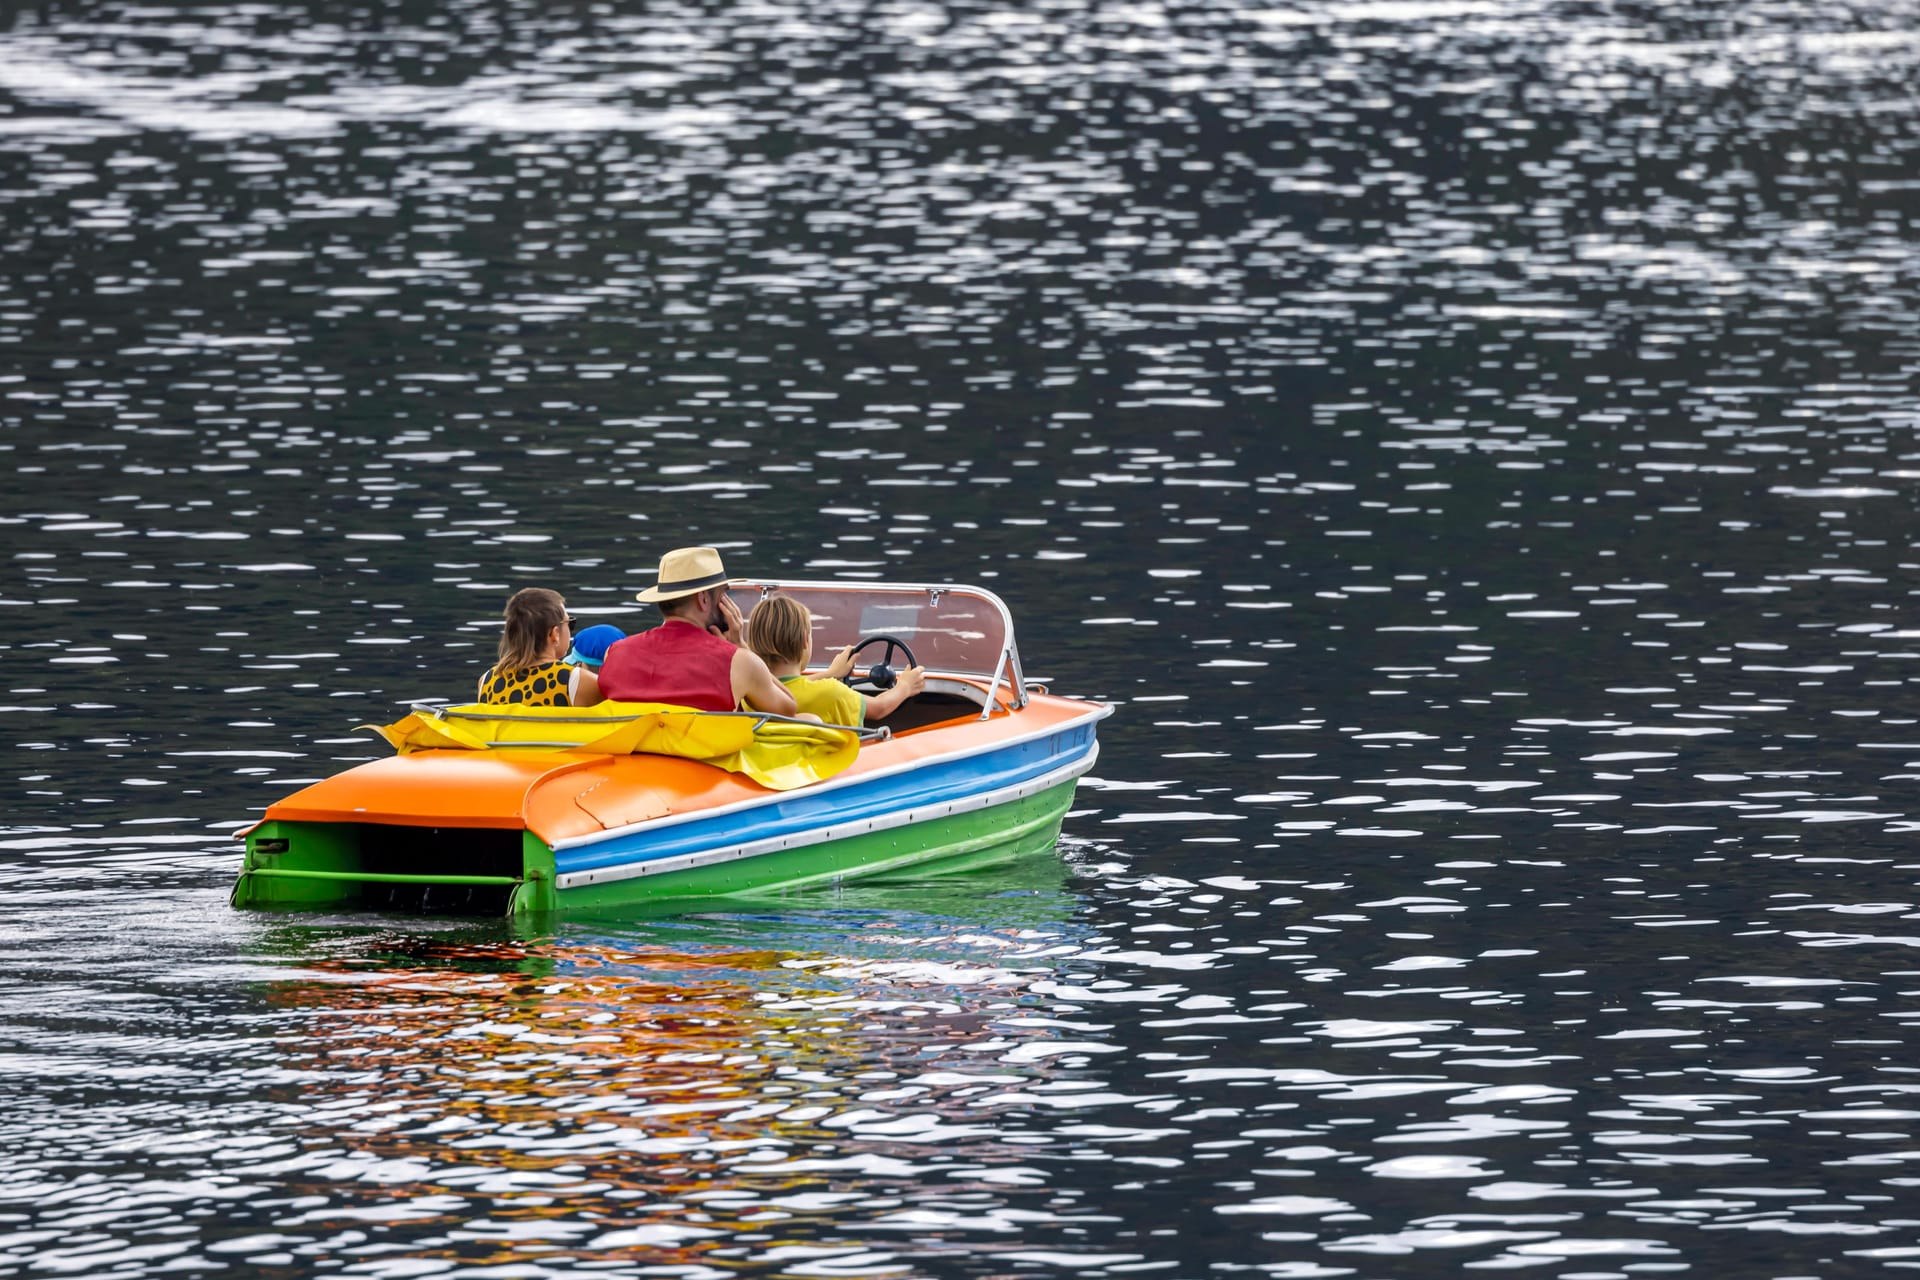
777, 754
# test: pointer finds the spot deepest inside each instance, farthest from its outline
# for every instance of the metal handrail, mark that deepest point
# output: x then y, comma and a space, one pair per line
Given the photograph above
880, 732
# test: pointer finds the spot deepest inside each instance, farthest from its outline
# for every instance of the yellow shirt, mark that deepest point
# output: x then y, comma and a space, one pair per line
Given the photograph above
832, 701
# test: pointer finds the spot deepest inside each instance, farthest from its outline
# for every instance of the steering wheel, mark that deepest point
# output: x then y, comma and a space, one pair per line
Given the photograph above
881, 674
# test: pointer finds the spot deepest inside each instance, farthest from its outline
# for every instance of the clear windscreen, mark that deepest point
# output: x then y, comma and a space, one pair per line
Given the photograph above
955, 630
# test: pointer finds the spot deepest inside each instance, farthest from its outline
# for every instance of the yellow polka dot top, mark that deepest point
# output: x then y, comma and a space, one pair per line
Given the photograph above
541, 686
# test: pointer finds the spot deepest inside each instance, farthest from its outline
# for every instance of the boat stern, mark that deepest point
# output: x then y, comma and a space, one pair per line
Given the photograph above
446, 836
365, 866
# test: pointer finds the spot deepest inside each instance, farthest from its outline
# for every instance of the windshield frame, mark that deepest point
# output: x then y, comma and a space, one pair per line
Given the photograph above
1006, 669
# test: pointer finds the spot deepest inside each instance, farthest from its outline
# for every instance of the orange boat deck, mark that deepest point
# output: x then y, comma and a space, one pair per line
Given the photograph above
561, 795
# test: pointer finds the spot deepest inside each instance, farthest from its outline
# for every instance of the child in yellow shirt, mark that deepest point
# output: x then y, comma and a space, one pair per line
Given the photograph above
780, 630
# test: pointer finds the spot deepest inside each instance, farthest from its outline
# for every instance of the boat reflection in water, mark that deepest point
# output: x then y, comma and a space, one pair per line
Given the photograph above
694, 1093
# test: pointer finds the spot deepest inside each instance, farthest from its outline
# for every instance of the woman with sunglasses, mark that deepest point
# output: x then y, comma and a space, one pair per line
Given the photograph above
531, 669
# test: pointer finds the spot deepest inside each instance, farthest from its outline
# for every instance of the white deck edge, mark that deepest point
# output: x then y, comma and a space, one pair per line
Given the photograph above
1097, 712
820, 835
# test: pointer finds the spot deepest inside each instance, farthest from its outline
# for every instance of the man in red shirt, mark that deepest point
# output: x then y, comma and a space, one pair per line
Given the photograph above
694, 658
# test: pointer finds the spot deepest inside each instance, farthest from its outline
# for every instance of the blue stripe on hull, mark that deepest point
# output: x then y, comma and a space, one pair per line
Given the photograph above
801, 811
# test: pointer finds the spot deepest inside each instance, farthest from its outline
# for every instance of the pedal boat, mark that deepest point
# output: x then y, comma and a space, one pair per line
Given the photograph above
977, 769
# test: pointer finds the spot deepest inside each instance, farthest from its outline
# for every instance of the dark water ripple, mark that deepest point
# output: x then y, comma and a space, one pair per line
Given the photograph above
1473, 443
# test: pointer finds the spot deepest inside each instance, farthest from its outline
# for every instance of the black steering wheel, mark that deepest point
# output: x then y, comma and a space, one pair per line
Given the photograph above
881, 675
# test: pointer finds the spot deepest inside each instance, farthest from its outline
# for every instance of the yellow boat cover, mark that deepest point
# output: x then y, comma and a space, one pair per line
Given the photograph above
777, 754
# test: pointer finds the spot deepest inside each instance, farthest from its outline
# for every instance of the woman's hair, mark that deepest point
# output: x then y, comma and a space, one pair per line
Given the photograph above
531, 614
778, 629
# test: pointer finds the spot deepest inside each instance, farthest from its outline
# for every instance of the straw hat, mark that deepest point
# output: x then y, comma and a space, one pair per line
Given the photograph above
685, 571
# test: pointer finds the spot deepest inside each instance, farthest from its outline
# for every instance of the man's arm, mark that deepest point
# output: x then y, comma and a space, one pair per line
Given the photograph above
756, 686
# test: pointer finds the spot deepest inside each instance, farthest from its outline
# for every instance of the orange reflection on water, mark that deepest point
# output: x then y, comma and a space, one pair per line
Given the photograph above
634, 1102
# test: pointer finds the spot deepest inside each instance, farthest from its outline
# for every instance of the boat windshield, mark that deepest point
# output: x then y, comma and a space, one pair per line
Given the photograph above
952, 630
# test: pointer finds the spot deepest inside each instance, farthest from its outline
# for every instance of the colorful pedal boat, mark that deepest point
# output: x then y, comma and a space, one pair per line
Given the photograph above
979, 768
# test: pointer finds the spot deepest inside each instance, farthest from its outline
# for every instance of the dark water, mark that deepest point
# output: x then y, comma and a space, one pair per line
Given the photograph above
1474, 444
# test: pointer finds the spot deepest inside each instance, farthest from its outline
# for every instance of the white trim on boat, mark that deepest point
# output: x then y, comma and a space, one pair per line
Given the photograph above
1099, 712
820, 835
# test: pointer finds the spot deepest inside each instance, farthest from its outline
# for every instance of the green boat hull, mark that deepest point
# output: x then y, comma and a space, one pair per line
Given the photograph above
493, 872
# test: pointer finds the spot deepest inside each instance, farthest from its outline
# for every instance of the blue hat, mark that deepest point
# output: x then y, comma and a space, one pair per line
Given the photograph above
590, 646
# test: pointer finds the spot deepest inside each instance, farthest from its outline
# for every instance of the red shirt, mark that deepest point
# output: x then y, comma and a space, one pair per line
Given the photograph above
676, 663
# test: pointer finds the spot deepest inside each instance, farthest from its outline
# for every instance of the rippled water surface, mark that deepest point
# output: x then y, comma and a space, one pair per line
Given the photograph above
1472, 444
